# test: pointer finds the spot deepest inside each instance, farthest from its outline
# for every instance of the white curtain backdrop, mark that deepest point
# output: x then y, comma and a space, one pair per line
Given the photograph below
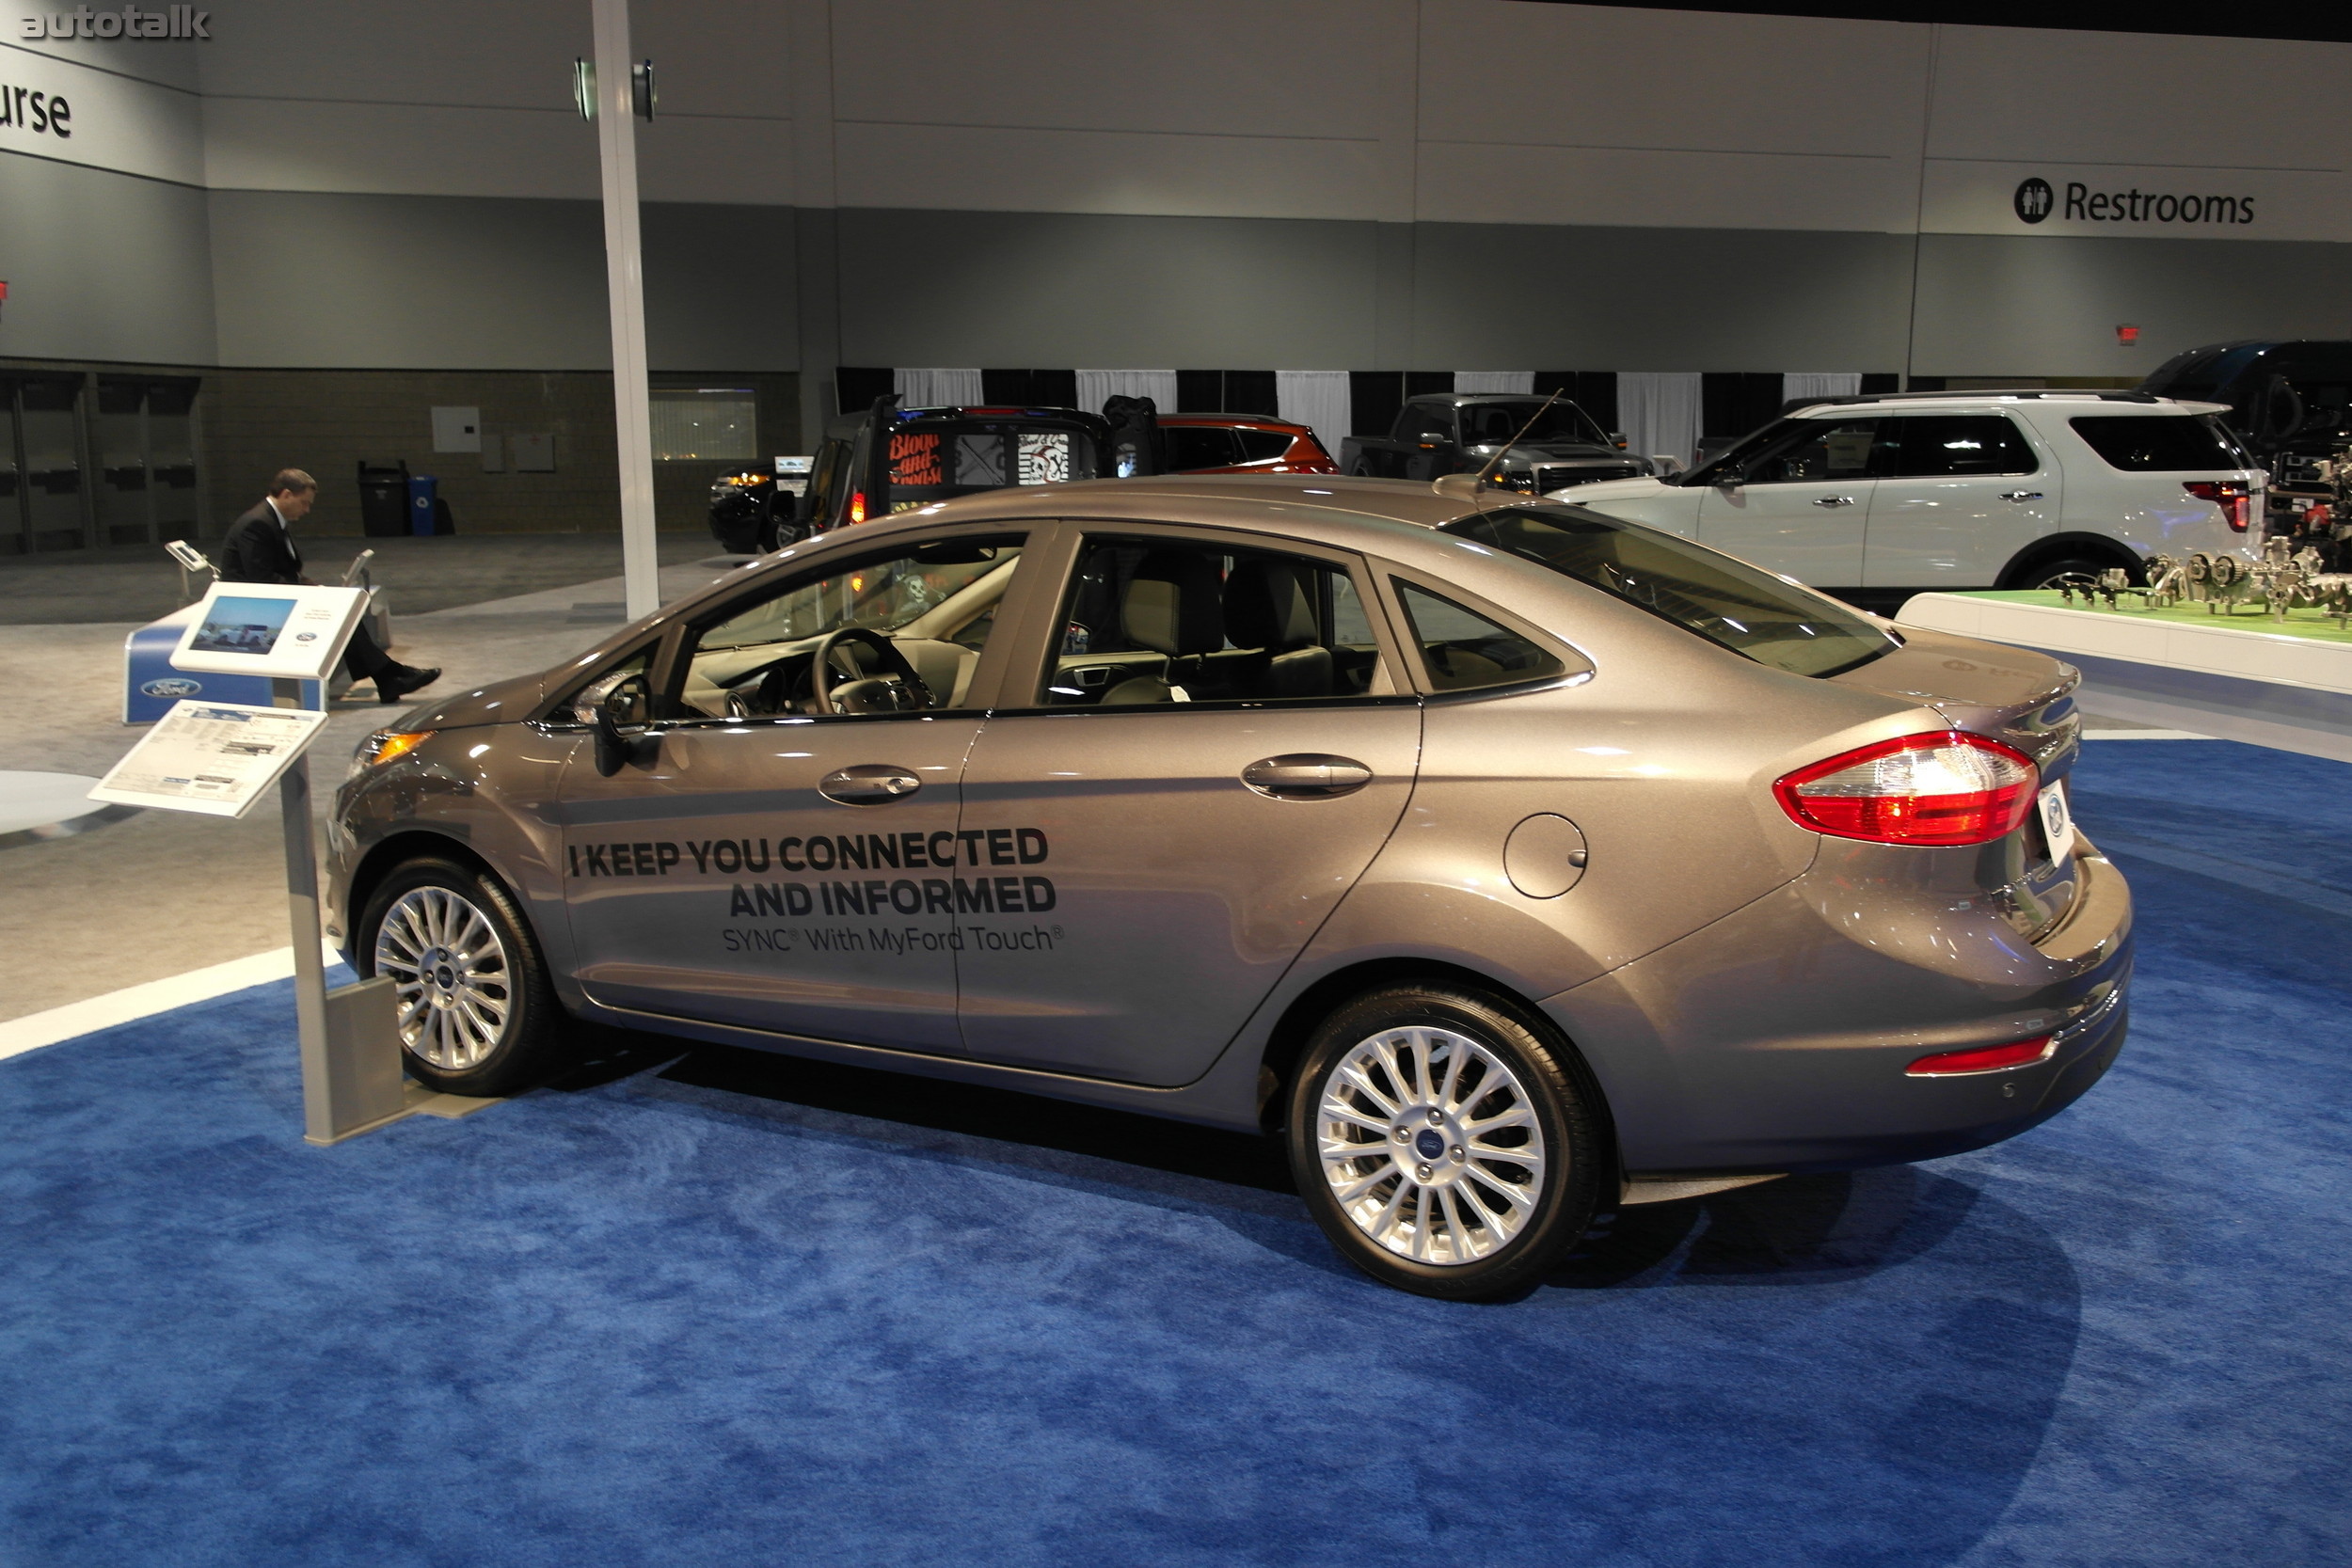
1494, 381
1832, 384
1095, 387
936, 388
1318, 400
1658, 412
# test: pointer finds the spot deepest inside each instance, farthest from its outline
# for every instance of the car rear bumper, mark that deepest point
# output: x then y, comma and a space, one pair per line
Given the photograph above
1777, 1038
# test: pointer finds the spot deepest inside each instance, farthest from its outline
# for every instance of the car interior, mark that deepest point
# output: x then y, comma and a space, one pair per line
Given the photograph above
1162, 621
896, 634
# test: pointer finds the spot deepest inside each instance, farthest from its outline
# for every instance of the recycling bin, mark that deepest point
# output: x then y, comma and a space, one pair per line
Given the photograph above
423, 490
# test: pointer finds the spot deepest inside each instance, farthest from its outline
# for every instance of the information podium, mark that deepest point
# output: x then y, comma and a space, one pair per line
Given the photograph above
217, 759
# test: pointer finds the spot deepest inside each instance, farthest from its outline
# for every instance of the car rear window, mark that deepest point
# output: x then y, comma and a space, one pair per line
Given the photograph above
1727, 601
2148, 443
1261, 446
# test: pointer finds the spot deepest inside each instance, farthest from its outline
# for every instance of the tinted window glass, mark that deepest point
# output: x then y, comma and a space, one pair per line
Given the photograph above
1151, 621
2155, 443
1425, 422
1932, 445
1818, 448
1261, 446
1198, 446
1462, 651
934, 459
1491, 423
1727, 602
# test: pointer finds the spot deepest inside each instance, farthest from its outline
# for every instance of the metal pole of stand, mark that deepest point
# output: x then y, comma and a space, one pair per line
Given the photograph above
302, 909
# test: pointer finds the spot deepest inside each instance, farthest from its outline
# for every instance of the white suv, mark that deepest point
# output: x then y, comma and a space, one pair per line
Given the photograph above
1876, 498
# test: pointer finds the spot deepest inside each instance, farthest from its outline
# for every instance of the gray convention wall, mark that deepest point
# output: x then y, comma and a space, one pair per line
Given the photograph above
103, 265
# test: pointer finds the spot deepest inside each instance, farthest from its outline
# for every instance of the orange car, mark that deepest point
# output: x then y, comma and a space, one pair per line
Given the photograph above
1242, 443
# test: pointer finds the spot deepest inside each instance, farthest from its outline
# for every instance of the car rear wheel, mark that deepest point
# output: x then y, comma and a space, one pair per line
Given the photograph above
2073, 569
477, 1016
1444, 1145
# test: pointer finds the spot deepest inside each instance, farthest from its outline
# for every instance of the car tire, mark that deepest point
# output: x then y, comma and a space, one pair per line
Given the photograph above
477, 1015
2048, 573
1448, 1093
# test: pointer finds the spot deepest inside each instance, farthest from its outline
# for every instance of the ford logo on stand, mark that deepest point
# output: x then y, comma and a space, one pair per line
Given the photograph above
176, 686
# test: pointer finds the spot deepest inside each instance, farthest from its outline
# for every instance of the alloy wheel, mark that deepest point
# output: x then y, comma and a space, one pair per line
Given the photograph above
1431, 1145
455, 985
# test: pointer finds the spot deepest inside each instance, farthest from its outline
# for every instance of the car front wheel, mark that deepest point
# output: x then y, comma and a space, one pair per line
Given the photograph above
1443, 1144
477, 1016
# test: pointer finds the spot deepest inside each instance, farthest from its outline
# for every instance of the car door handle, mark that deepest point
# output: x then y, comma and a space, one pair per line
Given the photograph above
1306, 776
872, 784
1834, 501
2021, 495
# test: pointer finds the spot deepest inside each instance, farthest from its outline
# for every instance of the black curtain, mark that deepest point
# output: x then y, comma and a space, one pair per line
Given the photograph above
1732, 403
1594, 392
856, 387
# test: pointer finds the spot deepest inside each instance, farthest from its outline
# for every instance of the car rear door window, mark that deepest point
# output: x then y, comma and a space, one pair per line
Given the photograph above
1938, 445
2149, 443
1462, 651
1261, 446
1191, 446
1167, 620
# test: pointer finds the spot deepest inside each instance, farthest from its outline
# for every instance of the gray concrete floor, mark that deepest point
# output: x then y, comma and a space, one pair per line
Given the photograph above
163, 892
421, 575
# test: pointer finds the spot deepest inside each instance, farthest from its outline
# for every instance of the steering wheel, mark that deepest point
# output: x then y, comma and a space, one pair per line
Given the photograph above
821, 670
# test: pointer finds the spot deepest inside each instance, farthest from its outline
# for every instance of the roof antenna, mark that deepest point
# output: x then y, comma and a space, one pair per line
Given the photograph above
1486, 475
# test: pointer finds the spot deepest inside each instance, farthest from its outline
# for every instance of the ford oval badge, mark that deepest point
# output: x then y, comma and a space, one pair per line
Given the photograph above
172, 687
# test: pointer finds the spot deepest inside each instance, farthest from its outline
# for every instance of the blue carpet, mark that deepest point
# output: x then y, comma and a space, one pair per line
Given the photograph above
733, 1309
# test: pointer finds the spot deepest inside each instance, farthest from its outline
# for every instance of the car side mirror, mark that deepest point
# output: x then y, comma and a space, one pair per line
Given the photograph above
615, 709
1616, 440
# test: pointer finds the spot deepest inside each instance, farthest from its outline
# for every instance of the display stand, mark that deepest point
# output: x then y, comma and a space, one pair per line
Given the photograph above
216, 759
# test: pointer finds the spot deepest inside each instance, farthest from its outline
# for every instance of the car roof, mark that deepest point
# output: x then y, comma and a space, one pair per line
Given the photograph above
1455, 400
1303, 504
1257, 422
2118, 402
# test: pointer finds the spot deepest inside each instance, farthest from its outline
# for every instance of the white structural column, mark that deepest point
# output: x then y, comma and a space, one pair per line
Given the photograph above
625, 284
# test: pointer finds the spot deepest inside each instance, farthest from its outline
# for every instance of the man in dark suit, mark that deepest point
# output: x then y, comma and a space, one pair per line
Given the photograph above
260, 549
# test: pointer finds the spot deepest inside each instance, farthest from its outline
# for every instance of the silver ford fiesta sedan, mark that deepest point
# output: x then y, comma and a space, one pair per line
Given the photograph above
1512, 861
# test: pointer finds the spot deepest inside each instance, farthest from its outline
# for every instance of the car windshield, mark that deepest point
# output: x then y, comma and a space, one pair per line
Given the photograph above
1728, 602
1490, 424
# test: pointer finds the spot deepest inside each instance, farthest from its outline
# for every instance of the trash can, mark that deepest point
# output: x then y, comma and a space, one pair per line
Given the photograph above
423, 492
383, 500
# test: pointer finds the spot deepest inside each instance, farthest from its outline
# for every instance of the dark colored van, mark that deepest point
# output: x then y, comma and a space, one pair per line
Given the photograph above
2290, 402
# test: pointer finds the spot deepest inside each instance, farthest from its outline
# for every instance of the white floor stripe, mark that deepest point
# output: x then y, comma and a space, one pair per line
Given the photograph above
35, 1030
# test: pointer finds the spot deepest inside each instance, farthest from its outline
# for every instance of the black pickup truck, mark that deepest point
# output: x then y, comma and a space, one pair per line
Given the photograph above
1452, 433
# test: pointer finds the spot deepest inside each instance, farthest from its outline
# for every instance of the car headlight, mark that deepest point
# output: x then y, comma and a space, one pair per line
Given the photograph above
385, 746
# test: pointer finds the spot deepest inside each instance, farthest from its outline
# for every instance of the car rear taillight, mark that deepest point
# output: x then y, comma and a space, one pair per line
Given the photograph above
1982, 1058
1943, 787
2235, 501
857, 506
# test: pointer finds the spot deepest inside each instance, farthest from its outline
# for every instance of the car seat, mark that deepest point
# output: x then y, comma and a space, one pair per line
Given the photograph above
1172, 606
1270, 619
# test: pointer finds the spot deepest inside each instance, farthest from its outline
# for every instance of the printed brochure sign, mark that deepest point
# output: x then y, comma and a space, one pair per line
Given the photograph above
214, 759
